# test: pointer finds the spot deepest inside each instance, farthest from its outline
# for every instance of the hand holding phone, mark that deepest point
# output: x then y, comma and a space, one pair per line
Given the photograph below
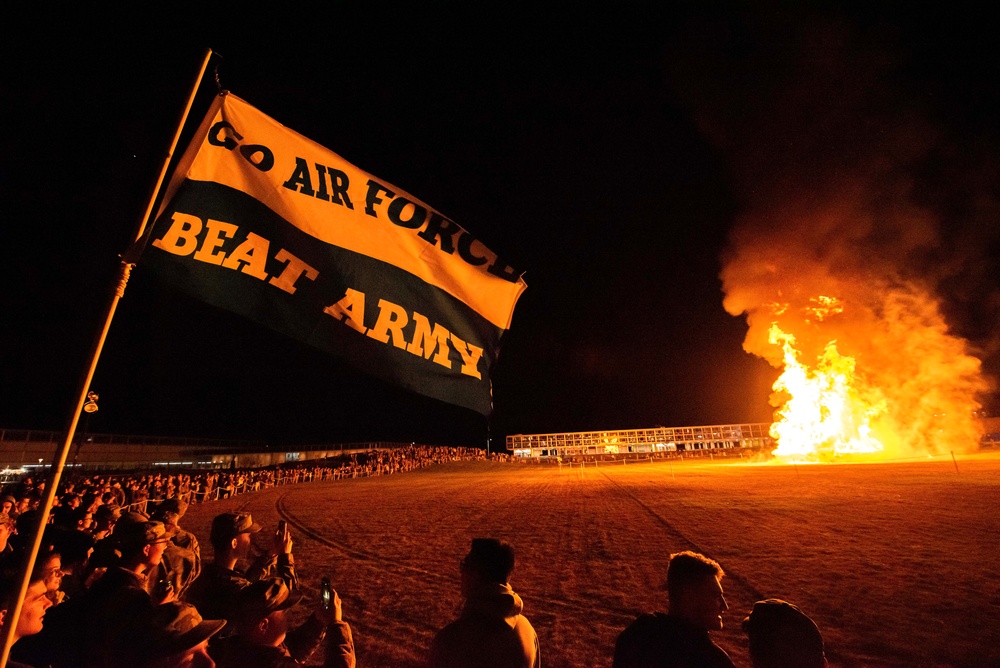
329, 603
282, 538
326, 593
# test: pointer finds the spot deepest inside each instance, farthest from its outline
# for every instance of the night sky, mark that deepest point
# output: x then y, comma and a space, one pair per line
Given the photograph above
607, 155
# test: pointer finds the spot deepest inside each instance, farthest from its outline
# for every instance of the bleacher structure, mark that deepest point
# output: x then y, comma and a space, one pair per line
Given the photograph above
640, 441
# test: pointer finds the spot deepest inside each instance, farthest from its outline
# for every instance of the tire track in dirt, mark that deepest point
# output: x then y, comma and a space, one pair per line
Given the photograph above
561, 490
741, 582
375, 562
386, 564
411, 635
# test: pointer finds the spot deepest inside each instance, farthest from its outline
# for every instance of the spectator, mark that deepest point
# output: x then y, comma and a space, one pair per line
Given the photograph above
117, 493
782, 636
173, 635
214, 592
491, 631
263, 639
104, 520
71, 500
107, 550
74, 548
83, 631
25, 503
680, 638
182, 558
36, 602
48, 568
26, 525
6, 530
77, 517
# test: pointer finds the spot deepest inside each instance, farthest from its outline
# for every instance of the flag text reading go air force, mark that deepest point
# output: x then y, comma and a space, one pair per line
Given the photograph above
263, 222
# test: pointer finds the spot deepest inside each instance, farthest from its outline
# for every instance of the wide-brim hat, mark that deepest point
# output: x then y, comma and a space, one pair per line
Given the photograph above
173, 628
259, 599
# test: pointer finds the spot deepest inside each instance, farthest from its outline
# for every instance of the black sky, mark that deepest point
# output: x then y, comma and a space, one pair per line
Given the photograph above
606, 154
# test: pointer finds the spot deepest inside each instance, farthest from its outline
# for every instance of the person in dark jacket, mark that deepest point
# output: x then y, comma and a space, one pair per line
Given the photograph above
491, 632
84, 630
782, 636
679, 639
181, 563
215, 590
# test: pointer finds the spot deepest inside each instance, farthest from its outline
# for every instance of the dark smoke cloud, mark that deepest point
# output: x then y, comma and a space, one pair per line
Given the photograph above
857, 181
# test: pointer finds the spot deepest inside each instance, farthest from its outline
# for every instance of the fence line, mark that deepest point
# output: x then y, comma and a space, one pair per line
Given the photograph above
218, 487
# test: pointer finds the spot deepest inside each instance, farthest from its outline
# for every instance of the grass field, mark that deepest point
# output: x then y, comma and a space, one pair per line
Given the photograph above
897, 563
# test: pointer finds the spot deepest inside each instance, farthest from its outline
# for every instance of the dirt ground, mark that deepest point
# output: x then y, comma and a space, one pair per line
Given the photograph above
897, 563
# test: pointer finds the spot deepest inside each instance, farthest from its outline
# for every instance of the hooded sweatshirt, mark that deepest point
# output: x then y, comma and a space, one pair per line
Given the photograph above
490, 633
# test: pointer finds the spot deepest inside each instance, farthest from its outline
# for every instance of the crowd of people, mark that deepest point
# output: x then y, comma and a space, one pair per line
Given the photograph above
136, 491
118, 585
491, 632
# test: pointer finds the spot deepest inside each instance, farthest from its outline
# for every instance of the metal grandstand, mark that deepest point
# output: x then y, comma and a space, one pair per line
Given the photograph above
641, 441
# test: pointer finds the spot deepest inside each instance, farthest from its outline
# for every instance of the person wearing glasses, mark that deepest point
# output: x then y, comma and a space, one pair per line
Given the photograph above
84, 630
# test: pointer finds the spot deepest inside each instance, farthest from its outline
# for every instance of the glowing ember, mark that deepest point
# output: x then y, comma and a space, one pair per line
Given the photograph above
824, 412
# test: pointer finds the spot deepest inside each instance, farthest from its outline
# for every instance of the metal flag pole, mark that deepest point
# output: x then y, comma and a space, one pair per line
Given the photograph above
59, 461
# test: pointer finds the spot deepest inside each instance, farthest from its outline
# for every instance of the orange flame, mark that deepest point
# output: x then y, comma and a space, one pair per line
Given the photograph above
877, 375
838, 296
825, 412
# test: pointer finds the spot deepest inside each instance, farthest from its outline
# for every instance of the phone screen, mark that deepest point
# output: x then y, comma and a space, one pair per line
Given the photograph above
281, 526
325, 593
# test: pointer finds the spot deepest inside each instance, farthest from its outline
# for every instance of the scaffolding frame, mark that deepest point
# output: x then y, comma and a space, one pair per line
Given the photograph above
641, 441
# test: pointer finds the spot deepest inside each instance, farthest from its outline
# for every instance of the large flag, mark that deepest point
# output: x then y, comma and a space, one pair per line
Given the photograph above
264, 222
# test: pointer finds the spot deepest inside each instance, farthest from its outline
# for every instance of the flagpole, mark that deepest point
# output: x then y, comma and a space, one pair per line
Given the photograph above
59, 460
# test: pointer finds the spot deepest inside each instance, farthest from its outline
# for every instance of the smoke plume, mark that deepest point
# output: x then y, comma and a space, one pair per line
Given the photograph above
850, 231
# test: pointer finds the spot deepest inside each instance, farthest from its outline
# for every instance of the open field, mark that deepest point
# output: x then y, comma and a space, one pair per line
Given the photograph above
897, 563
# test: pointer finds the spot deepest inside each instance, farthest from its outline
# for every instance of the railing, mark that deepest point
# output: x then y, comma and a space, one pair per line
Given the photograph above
36, 449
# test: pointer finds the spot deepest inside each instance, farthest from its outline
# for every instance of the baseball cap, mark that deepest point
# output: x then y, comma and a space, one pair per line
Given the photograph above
229, 525
140, 533
261, 598
782, 635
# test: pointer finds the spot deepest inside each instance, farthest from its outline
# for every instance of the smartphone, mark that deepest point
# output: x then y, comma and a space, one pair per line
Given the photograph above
163, 588
326, 593
281, 527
